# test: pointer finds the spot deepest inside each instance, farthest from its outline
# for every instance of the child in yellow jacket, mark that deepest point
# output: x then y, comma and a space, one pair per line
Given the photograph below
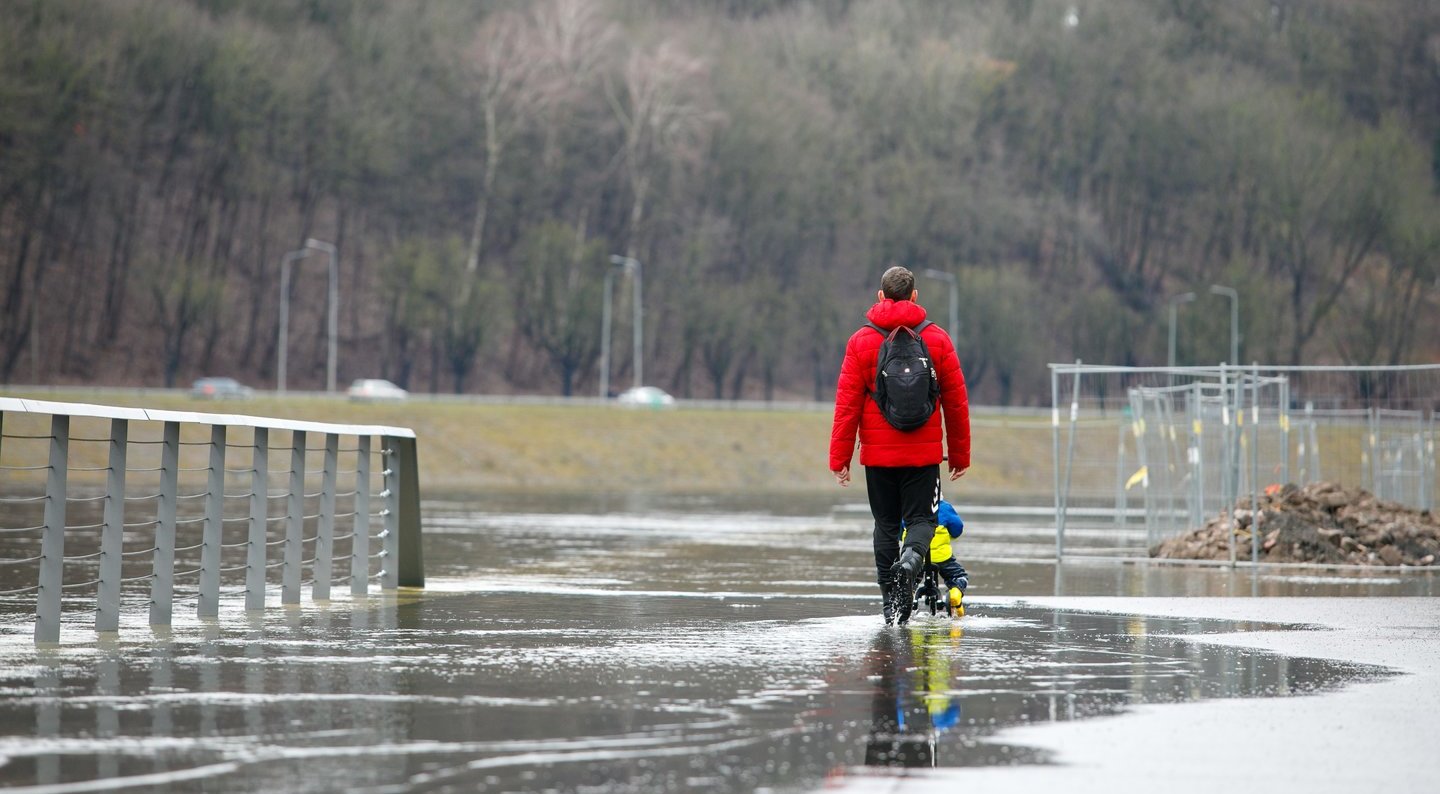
948, 525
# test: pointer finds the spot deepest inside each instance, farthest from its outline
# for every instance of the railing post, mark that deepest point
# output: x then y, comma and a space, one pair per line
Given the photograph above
1255, 463
52, 542
1313, 461
161, 585
1195, 456
255, 553
1055, 441
1367, 451
390, 535
1121, 503
213, 535
409, 563
360, 538
1430, 465
295, 521
325, 535
112, 533
1285, 430
1069, 466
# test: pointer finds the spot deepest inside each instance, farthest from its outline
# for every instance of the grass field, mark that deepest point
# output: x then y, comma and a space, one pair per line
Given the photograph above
471, 446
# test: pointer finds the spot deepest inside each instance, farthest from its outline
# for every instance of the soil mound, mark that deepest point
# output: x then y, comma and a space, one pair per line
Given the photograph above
1320, 523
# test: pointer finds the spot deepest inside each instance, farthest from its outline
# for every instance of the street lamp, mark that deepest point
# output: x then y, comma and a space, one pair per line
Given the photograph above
940, 275
1185, 297
333, 302
633, 266
1216, 289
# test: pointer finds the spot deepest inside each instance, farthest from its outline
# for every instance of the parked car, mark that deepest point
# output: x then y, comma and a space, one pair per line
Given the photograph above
220, 389
645, 396
376, 390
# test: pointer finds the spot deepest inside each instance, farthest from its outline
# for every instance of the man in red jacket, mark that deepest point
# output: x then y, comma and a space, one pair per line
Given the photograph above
902, 468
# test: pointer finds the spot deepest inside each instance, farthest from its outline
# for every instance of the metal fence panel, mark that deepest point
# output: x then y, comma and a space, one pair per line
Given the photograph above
1206, 438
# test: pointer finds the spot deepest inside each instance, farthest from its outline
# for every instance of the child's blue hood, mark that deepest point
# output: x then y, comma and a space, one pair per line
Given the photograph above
948, 518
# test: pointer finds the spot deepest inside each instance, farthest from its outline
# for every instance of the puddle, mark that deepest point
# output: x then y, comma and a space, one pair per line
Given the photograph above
539, 690
684, 651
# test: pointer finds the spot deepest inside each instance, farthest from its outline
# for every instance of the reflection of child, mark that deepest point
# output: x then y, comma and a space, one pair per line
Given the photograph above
932, 671
948, 525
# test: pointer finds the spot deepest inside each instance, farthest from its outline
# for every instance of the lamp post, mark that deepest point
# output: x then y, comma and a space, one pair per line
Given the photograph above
632, 265
1185, 297
941, 275
333, 301
605, 335
1216, 289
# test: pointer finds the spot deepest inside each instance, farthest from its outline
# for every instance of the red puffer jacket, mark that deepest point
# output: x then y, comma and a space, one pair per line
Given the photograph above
881, 444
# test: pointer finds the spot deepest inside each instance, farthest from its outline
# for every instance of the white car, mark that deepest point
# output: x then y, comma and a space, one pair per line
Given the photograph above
645, 396
376, 390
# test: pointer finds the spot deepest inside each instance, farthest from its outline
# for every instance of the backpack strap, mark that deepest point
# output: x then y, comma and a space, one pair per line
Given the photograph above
917, 329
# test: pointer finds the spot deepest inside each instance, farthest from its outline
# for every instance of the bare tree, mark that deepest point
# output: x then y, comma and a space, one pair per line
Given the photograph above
186, 292
505, 58
573, 40
666, 113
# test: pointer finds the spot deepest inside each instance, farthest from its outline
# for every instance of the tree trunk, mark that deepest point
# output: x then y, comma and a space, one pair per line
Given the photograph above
434, 365
567, 378
258, 282
13, 328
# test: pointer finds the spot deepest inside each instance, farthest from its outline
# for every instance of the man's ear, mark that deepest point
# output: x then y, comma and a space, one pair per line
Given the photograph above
879, 294
914, 293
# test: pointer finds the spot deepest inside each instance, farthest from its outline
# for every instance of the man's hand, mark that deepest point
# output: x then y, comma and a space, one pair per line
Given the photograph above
842, 476
956, 474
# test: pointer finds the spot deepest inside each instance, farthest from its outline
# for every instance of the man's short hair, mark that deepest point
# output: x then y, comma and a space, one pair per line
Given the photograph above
898, 283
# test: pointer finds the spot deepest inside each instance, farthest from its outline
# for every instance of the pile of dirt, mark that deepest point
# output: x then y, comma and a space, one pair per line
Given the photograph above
1320, 523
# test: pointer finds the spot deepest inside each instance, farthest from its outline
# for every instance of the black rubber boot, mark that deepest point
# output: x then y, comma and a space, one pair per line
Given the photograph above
905, 570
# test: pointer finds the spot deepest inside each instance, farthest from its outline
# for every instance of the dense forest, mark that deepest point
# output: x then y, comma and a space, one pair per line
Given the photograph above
1074, 165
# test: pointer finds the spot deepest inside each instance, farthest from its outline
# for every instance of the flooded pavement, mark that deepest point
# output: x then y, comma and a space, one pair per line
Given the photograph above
633, 648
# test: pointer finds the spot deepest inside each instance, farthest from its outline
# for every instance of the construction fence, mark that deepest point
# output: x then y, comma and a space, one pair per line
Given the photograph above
1154, 451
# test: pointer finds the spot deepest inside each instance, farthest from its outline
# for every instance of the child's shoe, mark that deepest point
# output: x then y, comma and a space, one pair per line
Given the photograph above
956, 595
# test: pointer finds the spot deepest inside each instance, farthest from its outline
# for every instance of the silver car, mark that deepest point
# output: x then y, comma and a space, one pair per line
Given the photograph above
376, 390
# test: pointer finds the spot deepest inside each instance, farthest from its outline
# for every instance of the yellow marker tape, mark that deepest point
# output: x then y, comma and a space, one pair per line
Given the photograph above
1139, 476
1198, 427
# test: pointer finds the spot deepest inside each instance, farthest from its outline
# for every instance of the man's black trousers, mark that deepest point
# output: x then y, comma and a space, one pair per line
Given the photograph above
902, 493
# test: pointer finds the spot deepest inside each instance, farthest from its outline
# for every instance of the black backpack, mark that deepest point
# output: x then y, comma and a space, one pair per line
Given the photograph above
906, 386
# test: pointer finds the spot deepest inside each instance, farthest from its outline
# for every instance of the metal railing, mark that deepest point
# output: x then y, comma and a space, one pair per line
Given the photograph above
164, 510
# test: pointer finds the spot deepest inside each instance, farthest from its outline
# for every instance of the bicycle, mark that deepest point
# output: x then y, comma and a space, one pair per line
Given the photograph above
931, 592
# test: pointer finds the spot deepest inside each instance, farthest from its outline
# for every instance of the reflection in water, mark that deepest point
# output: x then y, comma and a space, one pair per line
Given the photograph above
648, 655
913, 702
107, 716
504, 691
47, 718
